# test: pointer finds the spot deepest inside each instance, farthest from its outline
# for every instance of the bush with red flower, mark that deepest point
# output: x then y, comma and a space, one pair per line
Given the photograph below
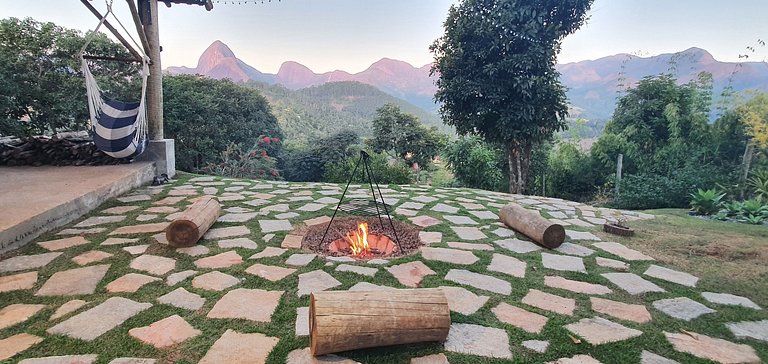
255, 162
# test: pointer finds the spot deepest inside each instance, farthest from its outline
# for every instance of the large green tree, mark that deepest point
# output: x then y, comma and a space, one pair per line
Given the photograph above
497, 78
41, 86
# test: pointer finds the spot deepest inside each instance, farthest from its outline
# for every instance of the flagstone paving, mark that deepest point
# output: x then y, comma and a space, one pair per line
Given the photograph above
118, 281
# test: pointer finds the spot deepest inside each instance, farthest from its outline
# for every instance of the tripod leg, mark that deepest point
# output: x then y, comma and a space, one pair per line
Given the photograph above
367, 167
386, 210
341, 199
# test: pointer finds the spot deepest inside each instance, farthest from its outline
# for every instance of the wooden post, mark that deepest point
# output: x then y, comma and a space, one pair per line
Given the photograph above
344, 320
111, 29
155, 82
619, 163
530, 223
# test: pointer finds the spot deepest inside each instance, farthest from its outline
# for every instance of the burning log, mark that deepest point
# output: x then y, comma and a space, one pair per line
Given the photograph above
190, 226
539, 229
344, 320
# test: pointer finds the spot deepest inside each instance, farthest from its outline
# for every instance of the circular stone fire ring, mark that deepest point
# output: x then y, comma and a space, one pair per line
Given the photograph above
381, 240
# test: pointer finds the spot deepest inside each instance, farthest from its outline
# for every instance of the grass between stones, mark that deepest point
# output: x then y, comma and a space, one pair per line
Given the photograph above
674, 239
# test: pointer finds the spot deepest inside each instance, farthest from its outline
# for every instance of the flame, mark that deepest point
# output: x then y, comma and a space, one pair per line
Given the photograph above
358, 240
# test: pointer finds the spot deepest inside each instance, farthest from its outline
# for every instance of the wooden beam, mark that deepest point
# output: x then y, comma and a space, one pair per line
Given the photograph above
139, 26
112, 29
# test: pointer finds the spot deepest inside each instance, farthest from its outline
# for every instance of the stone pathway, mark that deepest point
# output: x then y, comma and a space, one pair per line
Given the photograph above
240, 294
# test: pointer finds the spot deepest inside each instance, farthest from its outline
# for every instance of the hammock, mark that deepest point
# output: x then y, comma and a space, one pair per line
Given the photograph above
119, 129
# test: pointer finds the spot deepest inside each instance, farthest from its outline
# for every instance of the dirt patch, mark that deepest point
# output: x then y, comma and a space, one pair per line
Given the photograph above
407, 234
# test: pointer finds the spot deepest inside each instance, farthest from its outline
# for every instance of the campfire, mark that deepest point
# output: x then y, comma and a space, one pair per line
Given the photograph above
361, 244
361, 238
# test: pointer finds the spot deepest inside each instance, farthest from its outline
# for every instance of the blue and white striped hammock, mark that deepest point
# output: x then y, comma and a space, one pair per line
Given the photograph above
119, 129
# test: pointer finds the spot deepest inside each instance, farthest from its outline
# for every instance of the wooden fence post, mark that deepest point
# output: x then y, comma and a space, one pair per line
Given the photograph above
619, 163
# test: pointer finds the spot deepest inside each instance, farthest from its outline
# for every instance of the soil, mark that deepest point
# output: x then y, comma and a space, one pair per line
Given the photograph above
407, 235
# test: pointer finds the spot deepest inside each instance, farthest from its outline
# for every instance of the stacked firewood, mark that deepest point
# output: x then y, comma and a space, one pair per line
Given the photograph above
63, 149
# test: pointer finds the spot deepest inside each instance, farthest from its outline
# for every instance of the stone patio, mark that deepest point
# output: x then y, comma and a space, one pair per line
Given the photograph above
243, 291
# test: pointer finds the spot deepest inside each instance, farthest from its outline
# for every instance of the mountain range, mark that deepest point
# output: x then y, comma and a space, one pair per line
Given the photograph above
592, 84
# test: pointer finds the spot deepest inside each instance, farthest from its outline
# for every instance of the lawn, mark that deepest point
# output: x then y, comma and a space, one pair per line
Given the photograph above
676, 241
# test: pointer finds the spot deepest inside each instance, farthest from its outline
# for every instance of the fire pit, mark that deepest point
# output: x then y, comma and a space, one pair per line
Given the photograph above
361, 238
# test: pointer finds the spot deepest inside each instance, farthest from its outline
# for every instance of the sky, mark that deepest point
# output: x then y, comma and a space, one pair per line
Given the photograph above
349, 35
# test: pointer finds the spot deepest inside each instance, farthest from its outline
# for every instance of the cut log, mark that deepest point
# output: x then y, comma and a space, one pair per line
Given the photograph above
532, 225
190, 226
344, 320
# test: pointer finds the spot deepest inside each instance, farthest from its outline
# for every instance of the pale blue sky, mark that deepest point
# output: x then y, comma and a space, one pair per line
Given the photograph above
351, 34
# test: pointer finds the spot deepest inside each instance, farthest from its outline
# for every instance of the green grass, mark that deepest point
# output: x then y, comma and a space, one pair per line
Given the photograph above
670, 238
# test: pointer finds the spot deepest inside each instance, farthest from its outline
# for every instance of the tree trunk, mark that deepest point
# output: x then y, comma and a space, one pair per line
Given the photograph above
519, 160
747, 161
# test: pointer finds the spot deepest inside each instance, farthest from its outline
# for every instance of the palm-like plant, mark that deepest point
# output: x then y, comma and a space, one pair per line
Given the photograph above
706, 202
759, 182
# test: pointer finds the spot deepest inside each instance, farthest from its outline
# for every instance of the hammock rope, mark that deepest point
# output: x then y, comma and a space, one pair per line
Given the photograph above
119, 129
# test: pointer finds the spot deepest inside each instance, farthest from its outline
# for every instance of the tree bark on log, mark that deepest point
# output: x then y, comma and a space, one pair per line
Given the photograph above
532, 225
344, 320
192, 224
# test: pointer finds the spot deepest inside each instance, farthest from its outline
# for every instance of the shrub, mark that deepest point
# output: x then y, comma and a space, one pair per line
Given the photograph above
570, 174
383, 171
706, 202
308, 164
237, 162
759, 183
476, 164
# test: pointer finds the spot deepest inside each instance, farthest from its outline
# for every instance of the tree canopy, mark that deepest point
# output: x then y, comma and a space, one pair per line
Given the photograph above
497, 78
403, 134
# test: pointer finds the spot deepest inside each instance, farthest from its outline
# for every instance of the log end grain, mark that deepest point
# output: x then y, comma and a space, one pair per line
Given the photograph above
182, 234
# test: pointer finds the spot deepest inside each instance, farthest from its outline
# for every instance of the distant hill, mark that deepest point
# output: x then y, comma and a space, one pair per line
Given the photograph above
592, 85
311, 113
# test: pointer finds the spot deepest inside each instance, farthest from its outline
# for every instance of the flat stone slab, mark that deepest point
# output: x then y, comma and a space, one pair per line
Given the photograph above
304, 356
130, 283
470, 246
271, 226
478, 340
410, 274
706, 347
222, 260
597, 331
612, 263
26, 262
441, 207
424, 221
15, 344
412, 205
317, 221
17, 313
460, 220
18, 282
682, 308
622, 251
99, 220
575, 249
302, 322
520, 318
62, 359
61, 244
91, 257
214, 281
517, 245
133, 361
565, 263
580, 235
153, 264
453, 256
670, 275
632, 283
226, 232
244, 243
249, 304
484, 215
238, 217
430, 237
480, 281
76, 281
366, 271
504, 232
270, 272
620, 310
468, 233
462, 300
194, 251
140, 229
269, 251
508, 265
292, 241
118, 241
95, 322
182, 298
67, 308
300, 260
729, 299
576, 286
647, 357
424, 199
175, 278
311, 207
549, 302
119, 210
757, 330
431, 359
234, 347
316, 281
166, 332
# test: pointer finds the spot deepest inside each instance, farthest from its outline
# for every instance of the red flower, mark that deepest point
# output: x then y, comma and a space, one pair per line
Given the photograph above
266, 140
274, 173
263, 153
276, 140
